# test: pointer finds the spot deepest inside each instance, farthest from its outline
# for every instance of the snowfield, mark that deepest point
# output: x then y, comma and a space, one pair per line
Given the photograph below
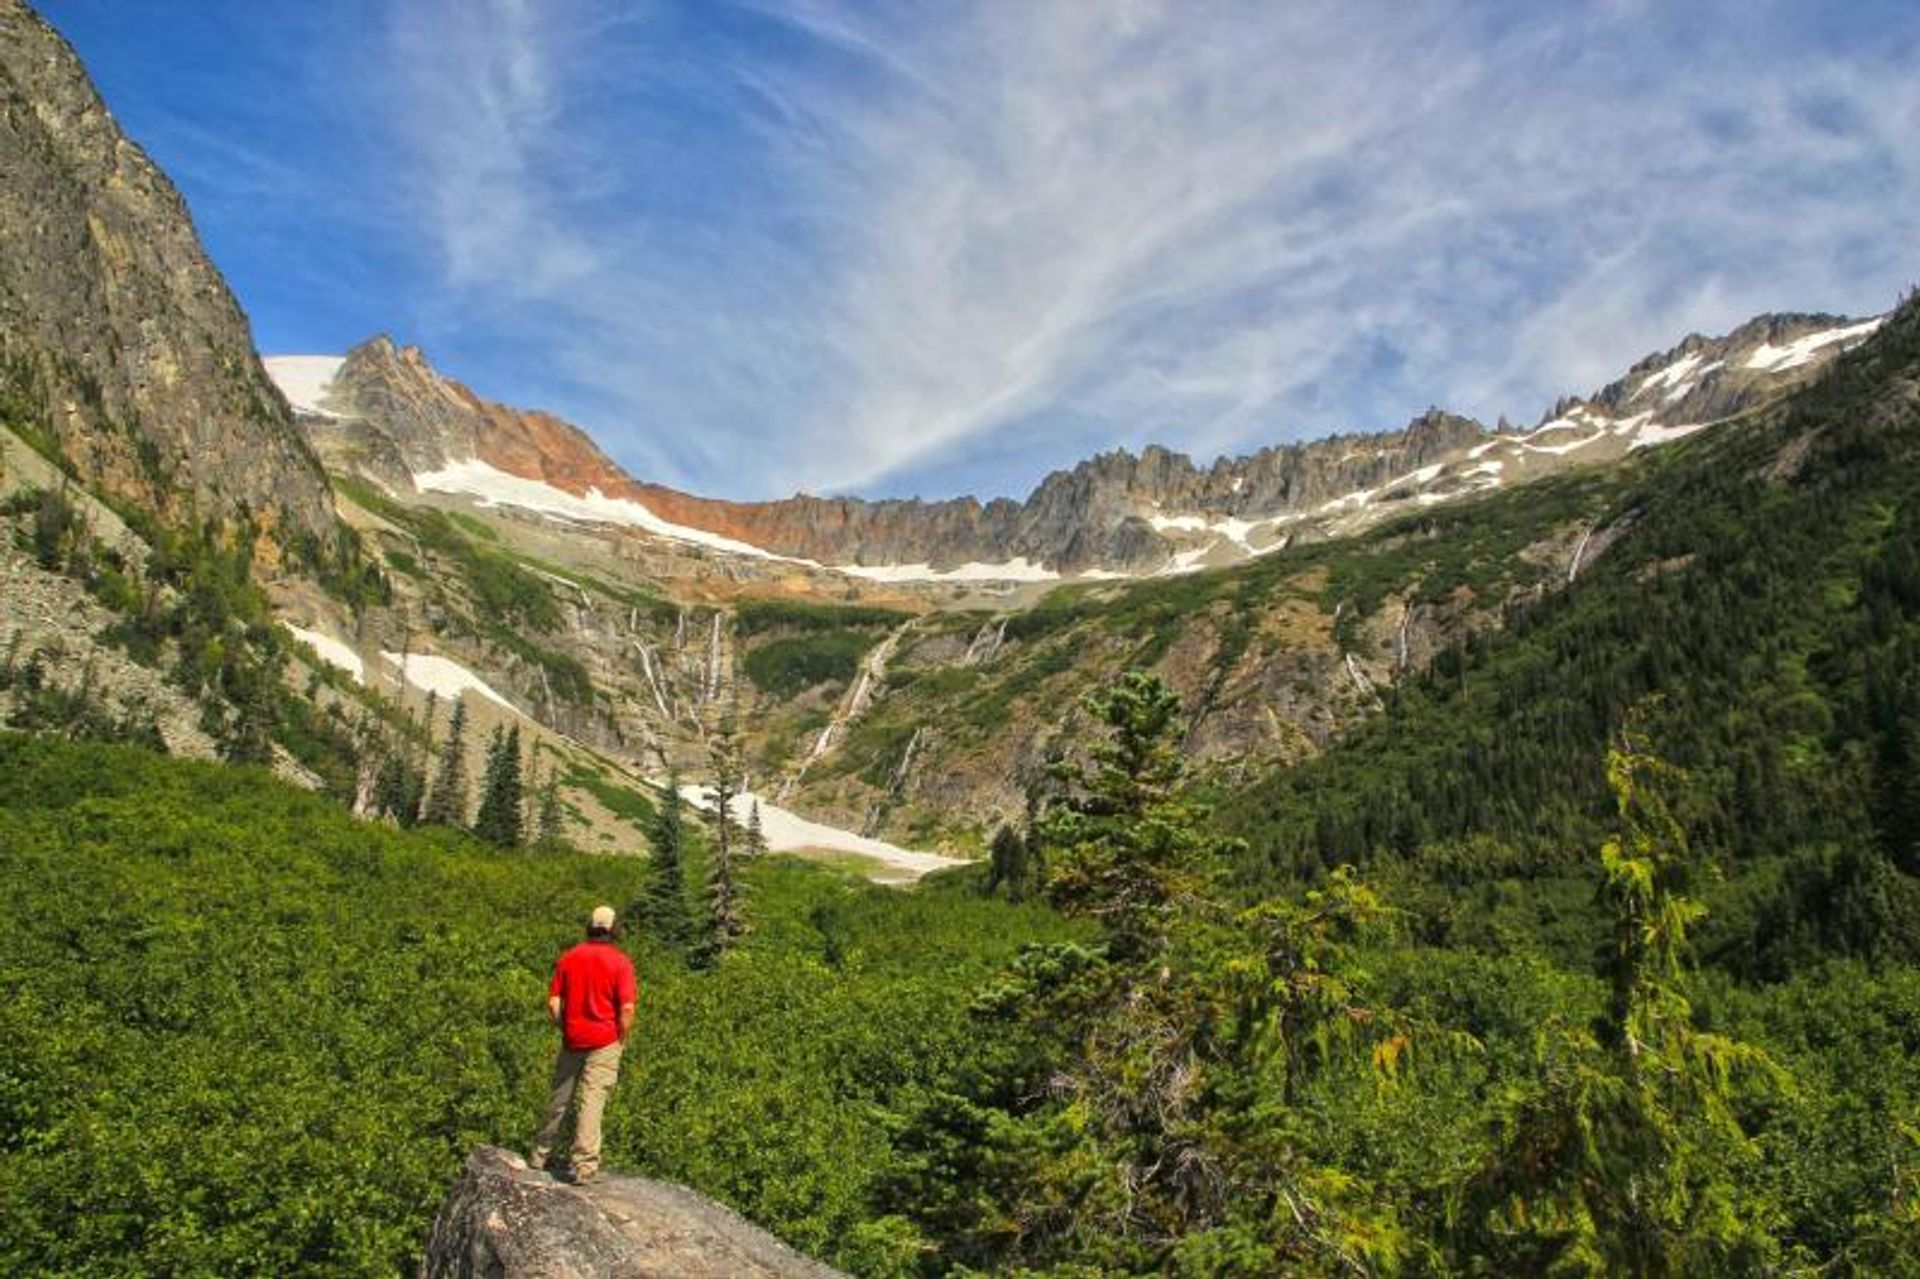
332, 651
788, 832
1018, 569
495, 487
431, 673
304, 379
428, 672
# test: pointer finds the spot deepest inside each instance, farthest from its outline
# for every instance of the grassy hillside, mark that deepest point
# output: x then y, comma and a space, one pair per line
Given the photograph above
248, 1034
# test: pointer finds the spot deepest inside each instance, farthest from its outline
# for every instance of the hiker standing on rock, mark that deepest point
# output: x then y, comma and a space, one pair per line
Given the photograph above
591, 1000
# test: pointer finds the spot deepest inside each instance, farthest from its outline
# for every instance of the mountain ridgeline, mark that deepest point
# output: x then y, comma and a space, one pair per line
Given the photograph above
384, 412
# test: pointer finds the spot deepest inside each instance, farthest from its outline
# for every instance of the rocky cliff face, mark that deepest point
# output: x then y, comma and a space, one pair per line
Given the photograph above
388, 413
504, 1221
120, 344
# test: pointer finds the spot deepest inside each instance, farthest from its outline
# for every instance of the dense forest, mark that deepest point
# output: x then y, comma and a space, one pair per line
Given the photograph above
1761, 616
1594, 953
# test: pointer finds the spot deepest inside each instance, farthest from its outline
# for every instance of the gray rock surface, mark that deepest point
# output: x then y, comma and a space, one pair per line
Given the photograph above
120, 344
502, 1220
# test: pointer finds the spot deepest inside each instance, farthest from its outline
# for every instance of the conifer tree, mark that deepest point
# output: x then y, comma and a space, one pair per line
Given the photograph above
663, 900
549, 820
501, 820
395, 792
1627, 1155
1121, 846
756, 833
724, 924
447, 802
1007, 864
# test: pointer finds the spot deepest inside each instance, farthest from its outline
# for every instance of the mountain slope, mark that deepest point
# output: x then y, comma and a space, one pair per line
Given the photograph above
120, 345
1759, 624
930, 727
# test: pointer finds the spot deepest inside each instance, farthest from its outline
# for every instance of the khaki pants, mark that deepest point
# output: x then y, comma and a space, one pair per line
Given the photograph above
591, 1075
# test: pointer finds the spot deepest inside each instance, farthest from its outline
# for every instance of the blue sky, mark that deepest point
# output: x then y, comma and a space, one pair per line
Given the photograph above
900, 248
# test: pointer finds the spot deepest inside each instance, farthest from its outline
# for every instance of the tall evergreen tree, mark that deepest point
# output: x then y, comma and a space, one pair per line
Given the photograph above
501, 820
395, 793
663, 899
549, 819
1007, 864
447, 802
1121, 845
725, 923
756, 831
1627, 1157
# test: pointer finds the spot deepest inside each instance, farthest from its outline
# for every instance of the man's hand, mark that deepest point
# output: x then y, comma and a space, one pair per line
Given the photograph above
553, 1009
626, 1021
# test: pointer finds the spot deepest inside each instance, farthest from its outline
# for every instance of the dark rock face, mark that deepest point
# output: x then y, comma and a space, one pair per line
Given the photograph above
119, 341
504, 1221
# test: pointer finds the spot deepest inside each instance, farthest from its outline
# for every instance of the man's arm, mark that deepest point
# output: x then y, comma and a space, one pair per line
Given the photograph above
553, 1009
627, 994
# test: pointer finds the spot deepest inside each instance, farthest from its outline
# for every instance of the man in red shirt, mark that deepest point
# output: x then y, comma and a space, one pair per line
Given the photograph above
591, 1000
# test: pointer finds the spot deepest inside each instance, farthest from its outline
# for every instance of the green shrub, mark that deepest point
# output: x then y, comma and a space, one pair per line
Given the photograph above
785, 667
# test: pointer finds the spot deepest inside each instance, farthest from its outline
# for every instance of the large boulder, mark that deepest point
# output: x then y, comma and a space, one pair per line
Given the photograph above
503, 1220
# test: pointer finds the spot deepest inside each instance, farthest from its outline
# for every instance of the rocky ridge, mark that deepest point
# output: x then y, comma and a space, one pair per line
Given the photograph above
121, 347
385, 412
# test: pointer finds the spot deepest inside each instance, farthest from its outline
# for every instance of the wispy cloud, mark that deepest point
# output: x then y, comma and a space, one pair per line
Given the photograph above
900, 247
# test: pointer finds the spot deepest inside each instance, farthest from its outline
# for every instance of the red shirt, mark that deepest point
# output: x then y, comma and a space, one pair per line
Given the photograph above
593, 981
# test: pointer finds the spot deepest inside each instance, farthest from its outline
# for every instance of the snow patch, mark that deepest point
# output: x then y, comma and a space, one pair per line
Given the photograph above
788, 832
442, 676
1671, 376
1018, 569
305, 379
494, 487
1683, 389
1351, 501
1778, 359
332, 651
1653, 434
1187, 561
1234, 530
1560, 450
1414, 479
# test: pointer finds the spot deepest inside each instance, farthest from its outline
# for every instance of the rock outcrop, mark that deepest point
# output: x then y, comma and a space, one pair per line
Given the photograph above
502, 1220
120, 344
